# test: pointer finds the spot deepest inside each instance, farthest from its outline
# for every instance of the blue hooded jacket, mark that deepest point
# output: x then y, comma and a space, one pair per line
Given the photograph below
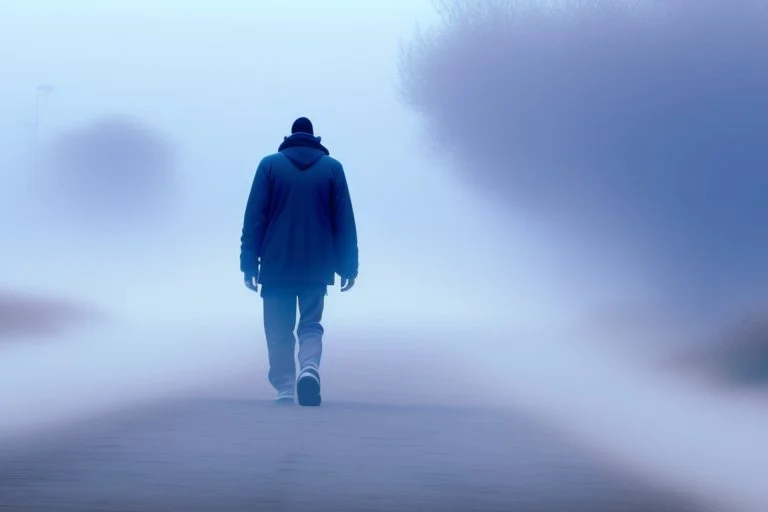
299, 226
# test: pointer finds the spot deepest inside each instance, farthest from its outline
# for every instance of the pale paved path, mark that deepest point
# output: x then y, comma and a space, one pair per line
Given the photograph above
237, 455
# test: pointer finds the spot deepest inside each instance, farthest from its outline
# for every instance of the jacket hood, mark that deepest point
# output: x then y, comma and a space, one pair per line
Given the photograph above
303, 150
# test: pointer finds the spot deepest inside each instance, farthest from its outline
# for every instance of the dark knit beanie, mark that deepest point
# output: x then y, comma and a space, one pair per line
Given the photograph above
302, 125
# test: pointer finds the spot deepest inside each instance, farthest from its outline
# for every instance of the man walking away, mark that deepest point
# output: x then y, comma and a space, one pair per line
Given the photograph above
298, 233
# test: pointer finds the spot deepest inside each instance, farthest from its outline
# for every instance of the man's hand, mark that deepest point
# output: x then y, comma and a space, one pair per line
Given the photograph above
347, 284
251, 282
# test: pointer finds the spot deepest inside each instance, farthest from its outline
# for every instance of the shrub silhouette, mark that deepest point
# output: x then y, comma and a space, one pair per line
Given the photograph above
26, 315
642, 124
115, 167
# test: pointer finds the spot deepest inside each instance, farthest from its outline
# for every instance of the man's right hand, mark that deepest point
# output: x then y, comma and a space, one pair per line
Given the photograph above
251, 282
347, 284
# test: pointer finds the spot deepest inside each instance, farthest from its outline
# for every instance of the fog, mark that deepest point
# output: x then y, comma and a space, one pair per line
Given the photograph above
545, 315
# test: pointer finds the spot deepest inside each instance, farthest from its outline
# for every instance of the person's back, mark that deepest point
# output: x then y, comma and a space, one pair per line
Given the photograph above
298, 232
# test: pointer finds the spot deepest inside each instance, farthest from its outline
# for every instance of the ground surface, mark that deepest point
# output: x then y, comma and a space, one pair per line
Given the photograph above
233, 455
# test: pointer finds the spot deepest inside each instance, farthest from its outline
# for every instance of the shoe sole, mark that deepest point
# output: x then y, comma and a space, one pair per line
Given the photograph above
285, 401
308, 392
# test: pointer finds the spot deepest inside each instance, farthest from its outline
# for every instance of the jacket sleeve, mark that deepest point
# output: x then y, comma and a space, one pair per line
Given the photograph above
344, 229
255, 222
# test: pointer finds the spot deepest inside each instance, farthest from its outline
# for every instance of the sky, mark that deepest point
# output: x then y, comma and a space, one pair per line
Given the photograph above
440, 262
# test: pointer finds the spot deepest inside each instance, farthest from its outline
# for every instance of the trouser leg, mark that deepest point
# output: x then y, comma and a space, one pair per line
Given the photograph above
310, 331
279, 323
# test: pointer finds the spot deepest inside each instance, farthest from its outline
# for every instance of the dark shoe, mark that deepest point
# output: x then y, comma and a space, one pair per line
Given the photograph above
308, 387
